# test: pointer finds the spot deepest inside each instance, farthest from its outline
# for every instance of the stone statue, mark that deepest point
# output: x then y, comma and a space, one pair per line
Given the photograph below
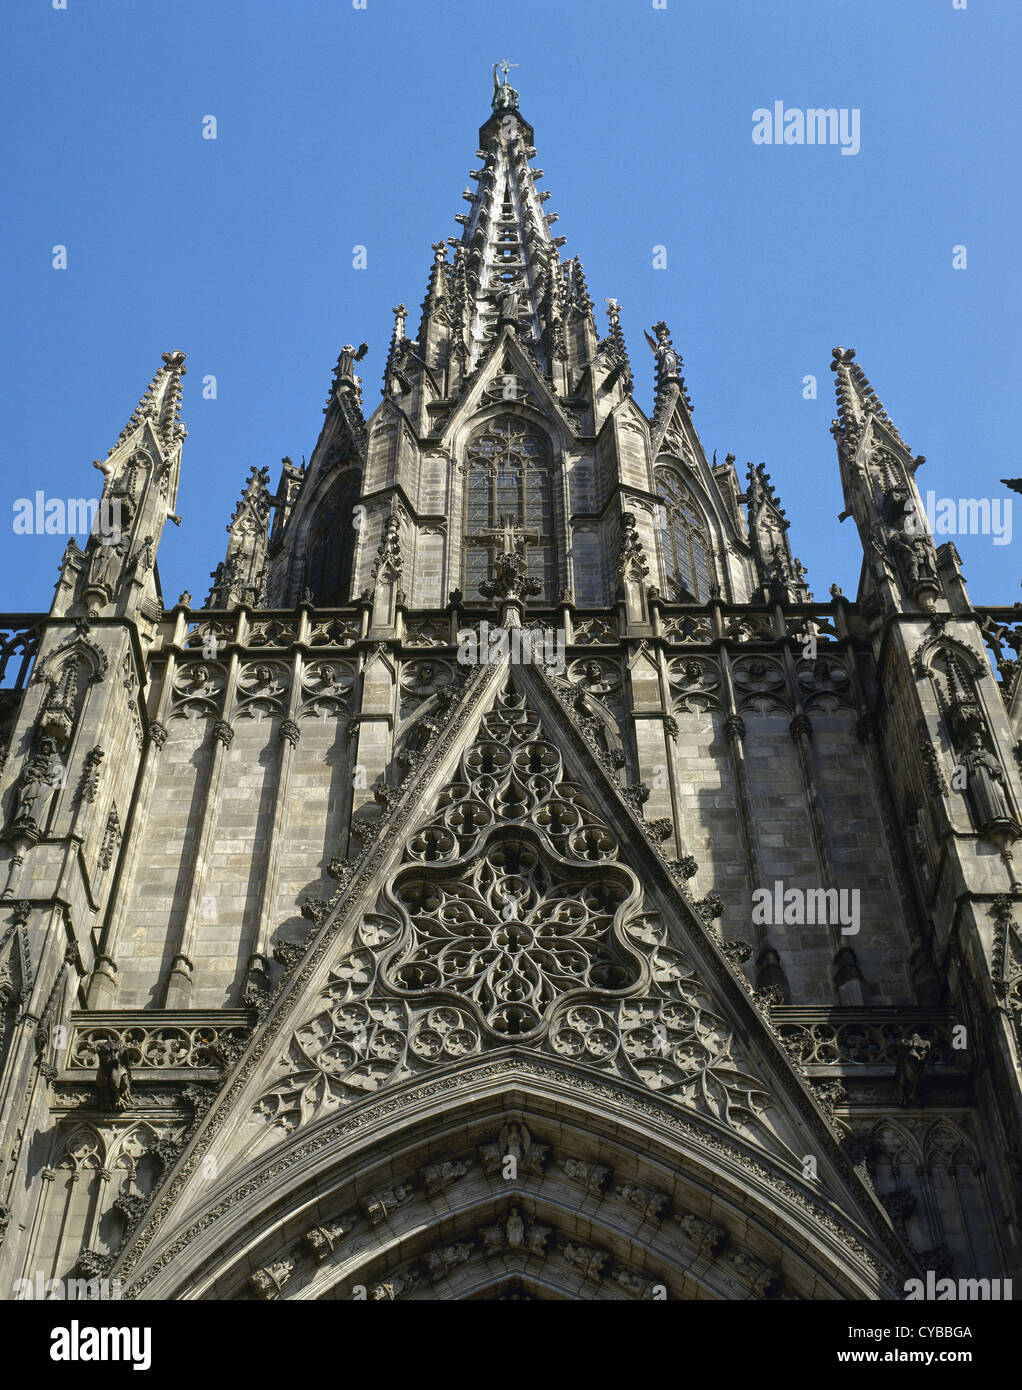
515, 1228
504, 95
509, 301
515, 1141
914, 555
106, 564
985, 786
666, 357
912, 1057
113, 1075
346, 362
41, 774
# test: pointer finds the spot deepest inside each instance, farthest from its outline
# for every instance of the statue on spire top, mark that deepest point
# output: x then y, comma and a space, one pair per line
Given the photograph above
505, 98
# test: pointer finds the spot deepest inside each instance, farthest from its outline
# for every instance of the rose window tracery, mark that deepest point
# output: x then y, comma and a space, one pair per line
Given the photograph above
509, 897
505, 934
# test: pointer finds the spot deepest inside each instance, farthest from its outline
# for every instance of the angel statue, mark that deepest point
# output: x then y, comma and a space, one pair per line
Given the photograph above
666, 357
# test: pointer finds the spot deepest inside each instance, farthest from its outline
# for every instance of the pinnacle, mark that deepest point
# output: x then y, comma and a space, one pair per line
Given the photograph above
856, 399
255, 496
509, 271
761, 489
614, 344
160, 404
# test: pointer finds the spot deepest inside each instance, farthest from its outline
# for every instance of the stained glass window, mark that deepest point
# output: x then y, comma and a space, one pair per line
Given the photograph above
509, 479
331, 546
685, 546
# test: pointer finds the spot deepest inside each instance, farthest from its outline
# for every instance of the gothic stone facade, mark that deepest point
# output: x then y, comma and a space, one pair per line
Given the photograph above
335, 966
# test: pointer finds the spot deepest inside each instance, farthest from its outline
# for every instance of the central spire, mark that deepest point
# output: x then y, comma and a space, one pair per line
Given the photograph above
506, 272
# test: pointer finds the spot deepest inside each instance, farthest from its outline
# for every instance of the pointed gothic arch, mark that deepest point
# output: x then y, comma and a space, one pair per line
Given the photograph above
684, 537
608, 1197
509, 468
330, 547
618, 1059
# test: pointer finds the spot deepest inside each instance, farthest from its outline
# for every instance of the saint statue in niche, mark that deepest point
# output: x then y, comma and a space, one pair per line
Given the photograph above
42, 773
985, 788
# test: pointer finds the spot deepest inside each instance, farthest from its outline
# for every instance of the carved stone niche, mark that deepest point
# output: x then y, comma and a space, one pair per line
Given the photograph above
39, 779
897, 504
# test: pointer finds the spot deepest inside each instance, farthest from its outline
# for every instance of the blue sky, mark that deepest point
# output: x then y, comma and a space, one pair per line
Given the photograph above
339, 126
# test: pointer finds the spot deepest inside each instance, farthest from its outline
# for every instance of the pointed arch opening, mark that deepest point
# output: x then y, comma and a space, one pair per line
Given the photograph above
511, 1177
331, 545
509, 479
684, 539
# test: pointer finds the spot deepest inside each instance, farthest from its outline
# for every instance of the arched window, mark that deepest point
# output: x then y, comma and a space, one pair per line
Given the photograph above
685, 545
331, 545
510, 479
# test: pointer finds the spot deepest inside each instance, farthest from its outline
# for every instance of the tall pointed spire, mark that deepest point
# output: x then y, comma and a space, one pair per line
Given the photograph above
878, 480
511, 263
781, 574
117, 566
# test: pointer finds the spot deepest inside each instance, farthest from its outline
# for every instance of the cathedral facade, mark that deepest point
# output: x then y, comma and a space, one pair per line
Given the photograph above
511, 883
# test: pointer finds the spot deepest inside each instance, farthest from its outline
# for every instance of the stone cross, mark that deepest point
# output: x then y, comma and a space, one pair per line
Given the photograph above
514, 536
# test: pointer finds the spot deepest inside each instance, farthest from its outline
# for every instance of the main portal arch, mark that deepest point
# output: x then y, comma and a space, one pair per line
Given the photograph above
512, 1178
